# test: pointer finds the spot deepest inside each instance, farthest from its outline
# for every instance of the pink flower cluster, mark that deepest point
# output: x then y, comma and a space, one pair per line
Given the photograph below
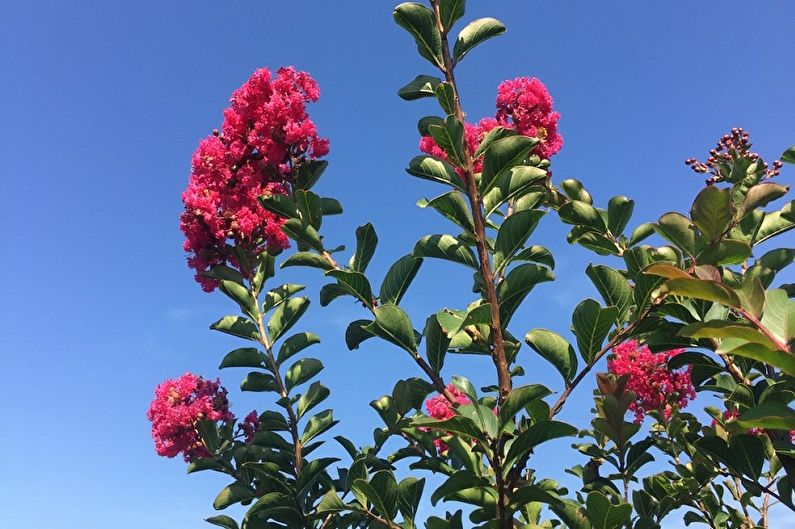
250, 426
441, 409
266, 135
656, 387
523, 104
178, 406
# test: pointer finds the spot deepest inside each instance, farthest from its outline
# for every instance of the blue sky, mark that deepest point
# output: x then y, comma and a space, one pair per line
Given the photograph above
103, 103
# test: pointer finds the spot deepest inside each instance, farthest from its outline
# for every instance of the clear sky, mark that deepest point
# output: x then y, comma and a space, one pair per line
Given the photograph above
102, 104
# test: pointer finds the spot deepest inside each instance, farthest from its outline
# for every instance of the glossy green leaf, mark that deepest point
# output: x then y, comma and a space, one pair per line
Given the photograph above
779, 359
276, 296
366, 241
420, 22
295, 344
234, 493
301, 371
503, 156
641, 232
354, 284
222, 521
495, 134
450, 138
776, 223
770, 415
398, 278
679, 230
536, 254
555, 350
317, 425
393, 325
512, 290
583, 214
779, 315
258, 381
513, 234
310, 259
518, 399
357, 332
421, 86
445, 95
453, 206
237, 326
331, 503
409, 494
282, 205
436, 344
619, 211
592, 323
244, 357
762, 194
702, 289
712, 212
303, 233
789, 155
285, 316
535, 435
604, 515
446, 247
612, 286
451, 11
511, 185
430, 168
475, 33
576, 191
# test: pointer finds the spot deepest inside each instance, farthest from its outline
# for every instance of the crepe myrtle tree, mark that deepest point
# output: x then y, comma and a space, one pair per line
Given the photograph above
703, 312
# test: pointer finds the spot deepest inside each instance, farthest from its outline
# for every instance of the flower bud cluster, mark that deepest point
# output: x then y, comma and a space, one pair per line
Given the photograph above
730, 149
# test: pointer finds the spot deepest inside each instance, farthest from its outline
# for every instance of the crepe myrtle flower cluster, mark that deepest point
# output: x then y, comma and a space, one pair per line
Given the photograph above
657, 388
180, 404
442, 409
265, 137
730, 149
523, 104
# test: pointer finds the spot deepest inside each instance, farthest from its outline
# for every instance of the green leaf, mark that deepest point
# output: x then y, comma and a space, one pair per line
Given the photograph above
782, 360
495, 134
421, 86
366, 241
446, 97
446, 247
237, 326
381, 491
612, 286
776, 223
308, 259
245, 357
592, 324
769, 415
331, 503
308, 173
725, 329
725, 252
295, 344
272, 505
555, 350
424, 124
453, 206
354, 284
303, 233
538, 433
224, 272
281, 205
518, 398
576, 191
435, 170
240, 295
475, 33
316, 394
276, 296
582, 214
285, 316
536, 254
398, 278
789, 155
619, 211
512, 290
409, 494
420, 22
702, 289
641, 232
450, 11
666, 270
357, 332
393, 325
457, 424
301, 371
762, 194
605, 515
310, 208
222, 521
450, 138
779, 315
256, 381
679, 230
712, 212
330, 206
503, 156
317, 425
234, 493
436, 343
311, 472
513, 234
511, 185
